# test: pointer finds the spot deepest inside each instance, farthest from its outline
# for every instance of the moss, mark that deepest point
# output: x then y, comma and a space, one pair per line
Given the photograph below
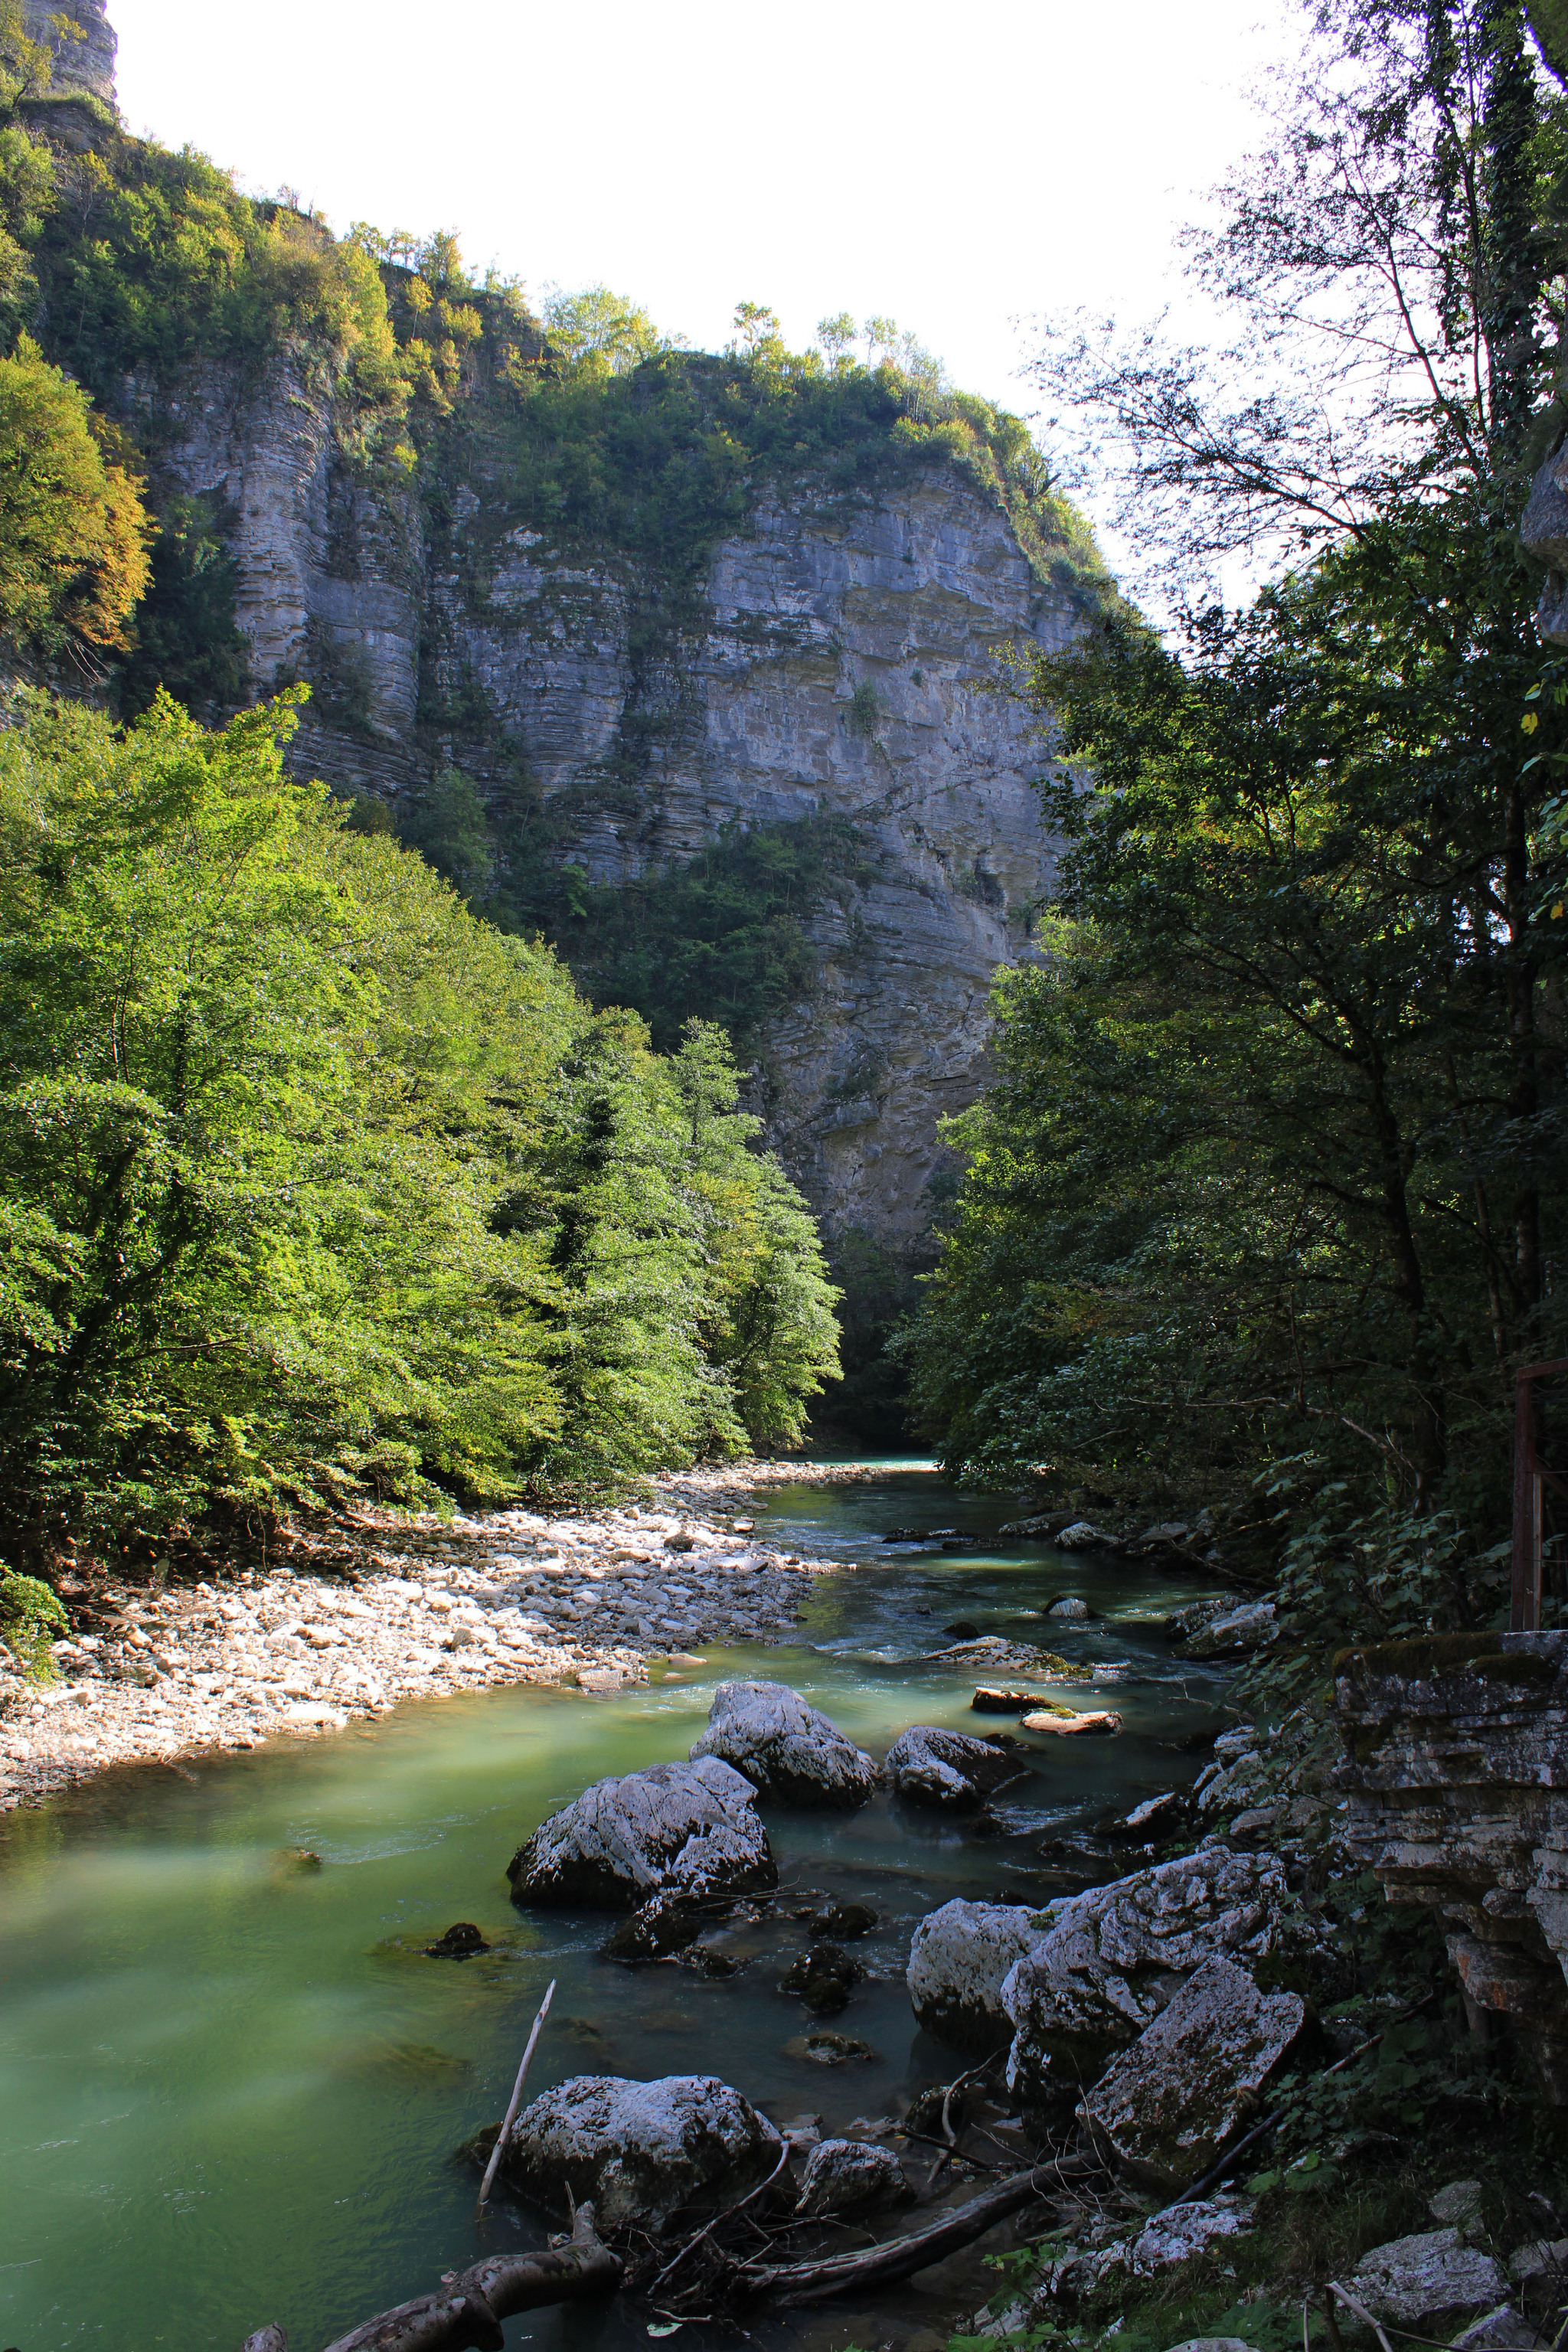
1433, 1655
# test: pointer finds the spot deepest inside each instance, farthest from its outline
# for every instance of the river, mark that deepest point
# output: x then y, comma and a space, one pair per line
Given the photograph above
230, 2088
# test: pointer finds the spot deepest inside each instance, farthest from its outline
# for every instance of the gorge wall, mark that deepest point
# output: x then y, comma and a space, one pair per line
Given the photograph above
848, 657
633, 626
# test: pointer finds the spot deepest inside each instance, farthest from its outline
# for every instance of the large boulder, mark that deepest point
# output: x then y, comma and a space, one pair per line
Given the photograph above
1167, 2107
851, 2176
1107, 1960
785, 1749
691, 1829
952, 1769
958, 1961
641, 2152
1426, 2282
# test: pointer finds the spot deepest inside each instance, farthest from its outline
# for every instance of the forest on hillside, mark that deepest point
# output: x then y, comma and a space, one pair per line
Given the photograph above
1268, 1205
1267, 1202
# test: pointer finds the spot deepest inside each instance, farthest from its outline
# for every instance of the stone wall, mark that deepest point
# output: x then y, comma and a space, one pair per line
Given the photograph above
1457, 1772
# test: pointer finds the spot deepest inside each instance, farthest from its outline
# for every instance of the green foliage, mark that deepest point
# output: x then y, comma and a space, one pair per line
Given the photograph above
450, 830
1265, 1116
187, 640
31, 1618
309, 1178
881, 1289
73, 530
719, 937
151, 263
595, 333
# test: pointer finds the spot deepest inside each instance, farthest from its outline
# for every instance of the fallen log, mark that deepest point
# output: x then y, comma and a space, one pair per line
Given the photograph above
786, 2283
466, 2315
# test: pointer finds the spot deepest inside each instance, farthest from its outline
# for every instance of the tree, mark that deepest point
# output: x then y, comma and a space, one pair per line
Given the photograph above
598, 335
837, 337
73, 530
1277, 1154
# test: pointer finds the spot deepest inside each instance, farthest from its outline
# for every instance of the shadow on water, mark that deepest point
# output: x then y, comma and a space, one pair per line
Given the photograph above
230, 2088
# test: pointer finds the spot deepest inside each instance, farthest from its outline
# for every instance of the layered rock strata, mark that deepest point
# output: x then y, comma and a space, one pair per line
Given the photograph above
1456, 1774
850, 658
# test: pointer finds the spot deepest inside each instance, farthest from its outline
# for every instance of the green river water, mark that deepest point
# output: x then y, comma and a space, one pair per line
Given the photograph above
229, 2092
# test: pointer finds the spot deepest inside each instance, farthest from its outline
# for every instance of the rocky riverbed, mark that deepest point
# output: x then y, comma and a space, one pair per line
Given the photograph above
350, 1618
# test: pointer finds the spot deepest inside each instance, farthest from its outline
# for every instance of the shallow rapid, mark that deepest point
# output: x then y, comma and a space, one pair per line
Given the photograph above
231, 2087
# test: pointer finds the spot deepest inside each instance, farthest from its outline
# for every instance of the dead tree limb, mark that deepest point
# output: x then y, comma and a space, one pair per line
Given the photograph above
467, 2314
899, 2258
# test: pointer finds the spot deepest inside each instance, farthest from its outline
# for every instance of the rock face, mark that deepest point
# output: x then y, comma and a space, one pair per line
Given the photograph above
688, 1830
81, 49
1543, 531
640, 2151
842, 663
785, 1749
1109, 1959
1432, 2281
958, 1961
850, 2176
1167, 2107
928, 1766
1457, 1772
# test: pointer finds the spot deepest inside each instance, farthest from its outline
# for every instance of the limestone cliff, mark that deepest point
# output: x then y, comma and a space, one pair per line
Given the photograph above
846, 655
81, 45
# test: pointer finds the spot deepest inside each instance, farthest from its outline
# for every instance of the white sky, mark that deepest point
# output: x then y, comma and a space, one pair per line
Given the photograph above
957, 171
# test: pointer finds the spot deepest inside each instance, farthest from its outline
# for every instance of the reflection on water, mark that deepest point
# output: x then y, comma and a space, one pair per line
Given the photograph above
230, 2086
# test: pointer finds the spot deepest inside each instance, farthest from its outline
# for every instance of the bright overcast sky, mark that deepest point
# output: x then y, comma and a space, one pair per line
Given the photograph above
953, 170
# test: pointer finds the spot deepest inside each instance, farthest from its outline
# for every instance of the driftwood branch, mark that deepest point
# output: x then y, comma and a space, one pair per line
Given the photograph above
467, 2314
516, 2100
899, 2258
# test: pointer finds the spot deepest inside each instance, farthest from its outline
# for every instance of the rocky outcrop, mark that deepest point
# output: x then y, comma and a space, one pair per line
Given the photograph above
1167, 2108
961, 1954
851, 2176
1457, 1773
1110, 1959
785, 1749
929, 1765
1431, 2281
641, 2152
687, 1830
81, 45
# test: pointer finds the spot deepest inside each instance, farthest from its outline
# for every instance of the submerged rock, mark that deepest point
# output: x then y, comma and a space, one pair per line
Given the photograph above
458, 1943
686, 1829
824, 2048
641, 2152
928, 1766
993, 1655
990, 1699
785, 1749
1109, 1959
1097, 1723
958, 1961
662, 1925
1167, 2107
823, 1977
849, 2175
1423, 2282
844, 1919
1222, 1629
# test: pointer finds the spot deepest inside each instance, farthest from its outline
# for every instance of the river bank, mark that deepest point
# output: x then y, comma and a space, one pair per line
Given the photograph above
350, 1617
